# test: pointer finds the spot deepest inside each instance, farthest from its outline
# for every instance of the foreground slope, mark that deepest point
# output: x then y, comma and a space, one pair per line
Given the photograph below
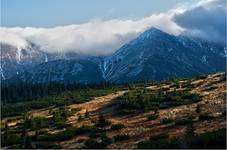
197, 110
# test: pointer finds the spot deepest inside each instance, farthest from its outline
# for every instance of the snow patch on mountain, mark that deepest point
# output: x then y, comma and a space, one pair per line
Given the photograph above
1, 71
204, 59
18, 55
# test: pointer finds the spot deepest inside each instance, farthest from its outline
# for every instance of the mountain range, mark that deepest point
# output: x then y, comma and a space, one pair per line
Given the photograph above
153, 55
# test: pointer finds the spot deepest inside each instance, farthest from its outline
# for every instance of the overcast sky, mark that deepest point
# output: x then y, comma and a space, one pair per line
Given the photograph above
100, 27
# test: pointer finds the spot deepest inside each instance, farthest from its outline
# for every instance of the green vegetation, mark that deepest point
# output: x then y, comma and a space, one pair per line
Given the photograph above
94, 144
184, 121
160, 136
210, 140
27, 91
166, 121
20, 138
60, 116
47, 145
198, 109
9, 138
205, 116
117, 126
63, 99
121, 137
47, 132
201, 77
158, 144
152, 117
142, 99
68, 133
102, 122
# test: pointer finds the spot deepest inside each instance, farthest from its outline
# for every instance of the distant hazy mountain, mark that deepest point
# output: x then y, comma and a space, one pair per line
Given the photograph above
154, 55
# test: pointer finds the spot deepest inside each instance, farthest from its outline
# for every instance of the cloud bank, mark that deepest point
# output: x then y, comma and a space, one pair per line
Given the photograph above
93, 38
105, 37
206, 20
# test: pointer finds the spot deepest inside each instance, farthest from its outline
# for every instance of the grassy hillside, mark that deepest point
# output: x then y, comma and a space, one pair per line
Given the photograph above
172, 114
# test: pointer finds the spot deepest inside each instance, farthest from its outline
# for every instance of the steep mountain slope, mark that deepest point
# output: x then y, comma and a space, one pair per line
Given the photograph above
31, 64
156, 55
15, 60
67, 71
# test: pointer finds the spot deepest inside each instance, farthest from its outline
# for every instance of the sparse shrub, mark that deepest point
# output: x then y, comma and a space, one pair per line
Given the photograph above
94, 134
105, 140
210, 140
190, 96
117, 126
80, 140
198, 109
190, 131
139, 100
85, 129
92, 144
166, 121
214, 140
183, 121
39, 123
211, 88
125, 111
202, 77
223, 78
156, 110
160, 136
121, 137
158, 144
60, 116
224, 113
68, 133
80, 118
47, 145
102, 122
152, 117
73, 111
10, 139
43, 132
205, 116
86, 115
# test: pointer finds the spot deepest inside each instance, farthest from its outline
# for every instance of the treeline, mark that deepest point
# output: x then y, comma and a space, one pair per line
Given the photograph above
25, 91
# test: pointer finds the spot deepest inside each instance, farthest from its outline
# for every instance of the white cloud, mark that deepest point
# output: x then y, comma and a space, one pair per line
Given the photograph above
96, 37
93, 38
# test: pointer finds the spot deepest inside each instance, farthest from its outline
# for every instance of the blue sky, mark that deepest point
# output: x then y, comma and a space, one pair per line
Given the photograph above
49, 13
100, 27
